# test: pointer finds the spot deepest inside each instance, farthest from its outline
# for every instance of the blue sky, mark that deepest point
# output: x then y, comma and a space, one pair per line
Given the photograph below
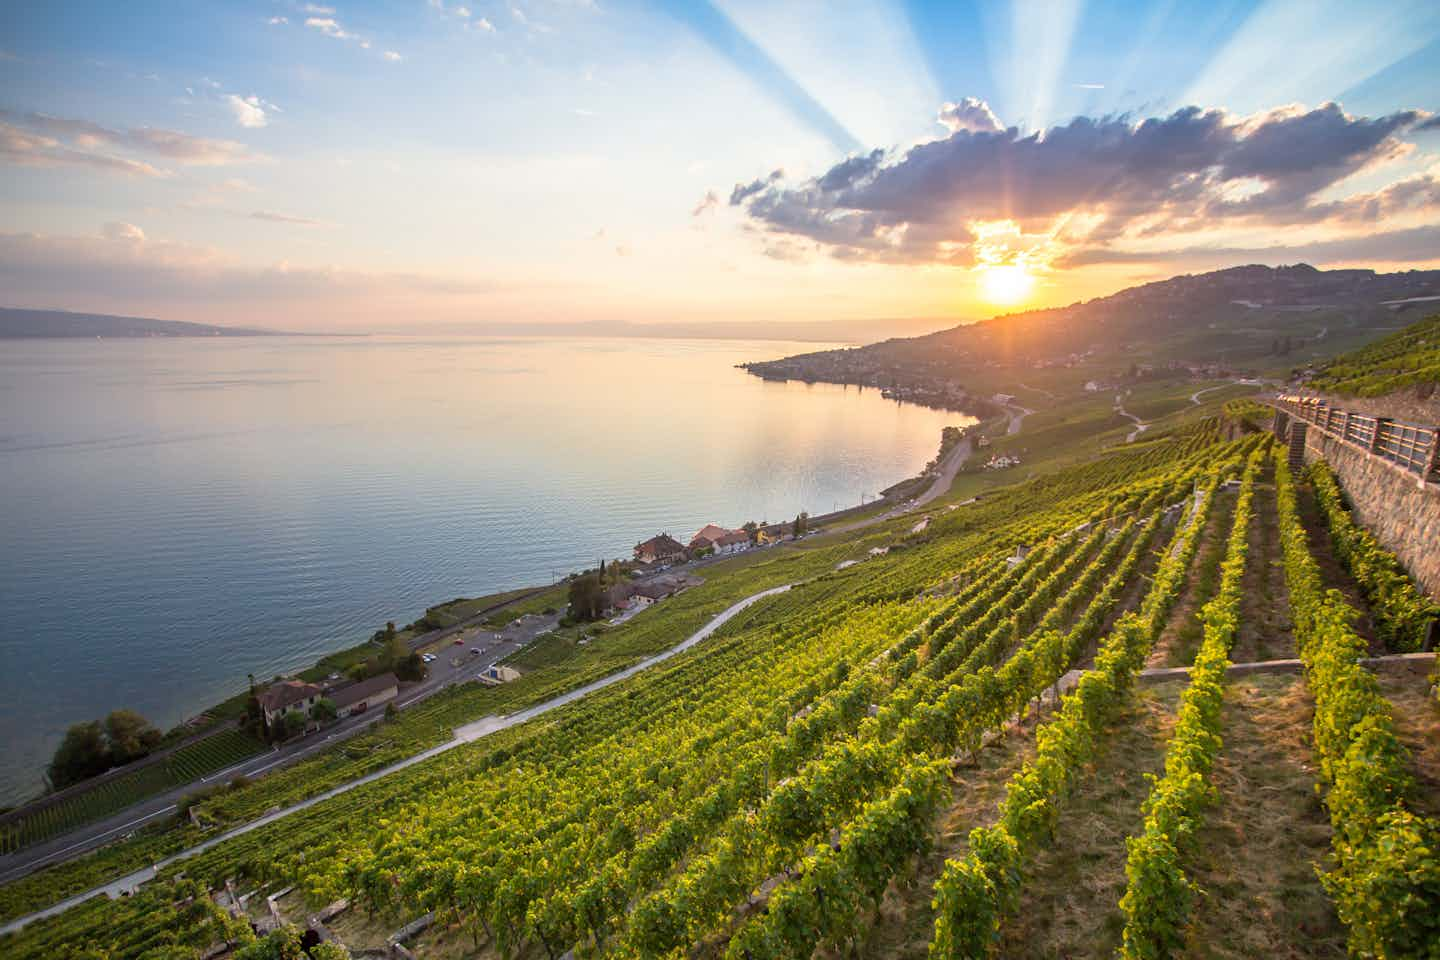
423, 164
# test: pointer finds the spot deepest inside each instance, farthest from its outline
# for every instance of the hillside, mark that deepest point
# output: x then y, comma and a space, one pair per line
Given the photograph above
17, 323
1404, 366
1243, 321
874, 761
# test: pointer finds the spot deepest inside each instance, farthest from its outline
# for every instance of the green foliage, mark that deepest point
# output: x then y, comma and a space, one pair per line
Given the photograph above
1409, 357
1401, 612
1158, 894
129, 736
587, 597
639, 818
81, 755
1386, 883
973, 895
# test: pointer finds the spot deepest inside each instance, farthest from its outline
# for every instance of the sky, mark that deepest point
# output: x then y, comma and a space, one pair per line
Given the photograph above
428, 165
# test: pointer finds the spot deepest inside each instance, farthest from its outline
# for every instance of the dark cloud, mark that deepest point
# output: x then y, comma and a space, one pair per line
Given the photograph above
845, 173
1431, 124
743, 191
1175, 172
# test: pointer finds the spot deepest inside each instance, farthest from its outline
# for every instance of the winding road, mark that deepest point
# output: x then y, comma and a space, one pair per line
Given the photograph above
468, 733
1140, 425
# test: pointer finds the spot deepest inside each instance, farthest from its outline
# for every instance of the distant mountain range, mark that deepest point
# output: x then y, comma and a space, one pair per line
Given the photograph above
19, 323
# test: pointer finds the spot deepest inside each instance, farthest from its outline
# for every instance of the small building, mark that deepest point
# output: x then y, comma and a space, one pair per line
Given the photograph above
361, 696
618, 595
287, 696
496, 674
733, 541
660, 549
708, 536
660, 587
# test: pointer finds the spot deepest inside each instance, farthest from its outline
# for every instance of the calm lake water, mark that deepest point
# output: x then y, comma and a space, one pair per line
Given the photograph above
175, 514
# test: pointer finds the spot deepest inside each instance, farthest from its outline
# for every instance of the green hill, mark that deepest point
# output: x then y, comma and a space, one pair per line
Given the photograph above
1407, 359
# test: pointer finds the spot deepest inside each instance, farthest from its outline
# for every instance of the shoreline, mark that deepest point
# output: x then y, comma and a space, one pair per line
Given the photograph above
189, 731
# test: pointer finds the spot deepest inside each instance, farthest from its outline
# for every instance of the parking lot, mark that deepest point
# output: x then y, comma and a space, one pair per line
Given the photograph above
467, 653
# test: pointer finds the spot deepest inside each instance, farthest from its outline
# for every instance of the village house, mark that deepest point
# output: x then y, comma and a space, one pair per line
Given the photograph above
358, 697
733, 542
708, 536
287, 696
660, 549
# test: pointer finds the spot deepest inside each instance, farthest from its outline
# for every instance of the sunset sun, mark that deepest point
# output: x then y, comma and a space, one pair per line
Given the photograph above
1006, 284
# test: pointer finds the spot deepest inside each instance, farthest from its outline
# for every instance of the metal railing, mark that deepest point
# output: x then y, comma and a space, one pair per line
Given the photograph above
1413, 448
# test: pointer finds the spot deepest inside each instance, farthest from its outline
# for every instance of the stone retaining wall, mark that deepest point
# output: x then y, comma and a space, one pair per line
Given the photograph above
1403, 515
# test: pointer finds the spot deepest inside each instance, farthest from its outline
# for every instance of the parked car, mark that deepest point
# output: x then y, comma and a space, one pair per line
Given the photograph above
459, 642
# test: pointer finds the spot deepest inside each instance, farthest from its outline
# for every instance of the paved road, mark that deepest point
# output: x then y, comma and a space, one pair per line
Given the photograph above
448, 668
465, 734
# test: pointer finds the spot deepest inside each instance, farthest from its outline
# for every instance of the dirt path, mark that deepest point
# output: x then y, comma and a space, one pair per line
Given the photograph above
1257, 848
906, 922
1335, 576
1140, 425
1266, 632
1180, 639
1417, 724
1070, 899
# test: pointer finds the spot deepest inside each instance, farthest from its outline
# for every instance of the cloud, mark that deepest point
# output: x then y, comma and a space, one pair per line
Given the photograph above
317, 9
483, 24
1411, 245
707, 203
330, 27
122, 266
392, 56
122, 231
744, 191
247, 111
275, 21
26, 149
38, 139
1091, 181
970, 114
272, 217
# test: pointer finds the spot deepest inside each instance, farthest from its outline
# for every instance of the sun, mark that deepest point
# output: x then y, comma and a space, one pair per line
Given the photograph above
1006, 284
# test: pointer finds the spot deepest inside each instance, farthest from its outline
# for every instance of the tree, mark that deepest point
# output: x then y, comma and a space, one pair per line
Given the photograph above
411, 667
752, 528
391, 712
324, 710
129, 736
802, 522
82, 754
292, 724
587, 597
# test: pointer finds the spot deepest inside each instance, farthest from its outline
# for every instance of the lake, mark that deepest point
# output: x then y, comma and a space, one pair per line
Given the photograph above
178, 513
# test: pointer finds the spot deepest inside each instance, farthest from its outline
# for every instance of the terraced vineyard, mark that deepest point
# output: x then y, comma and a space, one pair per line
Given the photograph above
121, 789
801, 781
1407, 358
